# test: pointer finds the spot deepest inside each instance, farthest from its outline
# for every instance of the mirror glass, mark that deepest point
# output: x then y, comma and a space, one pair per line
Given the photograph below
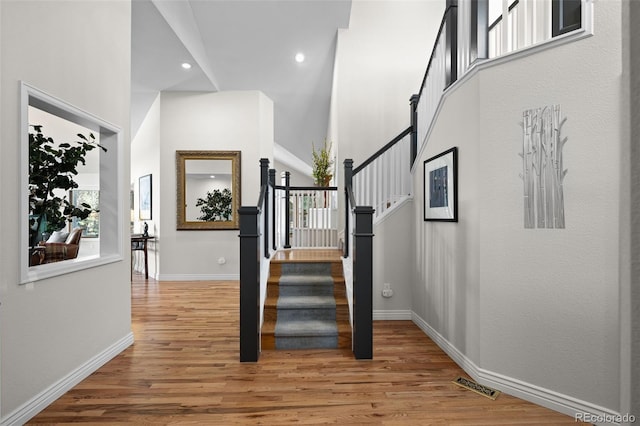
208, 189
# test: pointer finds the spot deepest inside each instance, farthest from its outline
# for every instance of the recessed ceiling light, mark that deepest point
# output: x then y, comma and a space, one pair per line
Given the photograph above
212, 176
186, 65
299, 57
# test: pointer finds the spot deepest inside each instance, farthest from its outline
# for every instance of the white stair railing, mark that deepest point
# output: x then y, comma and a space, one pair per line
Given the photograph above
314, 218
307, 217
385, 179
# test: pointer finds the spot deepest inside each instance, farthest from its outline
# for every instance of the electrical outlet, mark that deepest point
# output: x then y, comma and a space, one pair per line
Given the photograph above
386, 290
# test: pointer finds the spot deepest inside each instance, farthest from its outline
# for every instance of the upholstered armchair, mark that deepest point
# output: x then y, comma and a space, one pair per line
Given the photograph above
57, 251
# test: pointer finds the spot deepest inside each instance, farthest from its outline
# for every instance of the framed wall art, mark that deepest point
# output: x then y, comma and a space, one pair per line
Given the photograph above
441, 187
144, 192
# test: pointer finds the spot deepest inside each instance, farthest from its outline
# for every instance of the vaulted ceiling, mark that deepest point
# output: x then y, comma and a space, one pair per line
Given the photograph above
242, 45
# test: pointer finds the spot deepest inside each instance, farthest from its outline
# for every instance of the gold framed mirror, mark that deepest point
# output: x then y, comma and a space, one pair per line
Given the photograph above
208, 190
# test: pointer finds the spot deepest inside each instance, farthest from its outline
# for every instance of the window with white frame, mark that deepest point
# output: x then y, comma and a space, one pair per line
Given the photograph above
516, 24
71, 173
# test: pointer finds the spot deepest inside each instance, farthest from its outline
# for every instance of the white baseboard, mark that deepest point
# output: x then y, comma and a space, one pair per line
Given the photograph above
392, 315
545, 397
198, 277
41, 401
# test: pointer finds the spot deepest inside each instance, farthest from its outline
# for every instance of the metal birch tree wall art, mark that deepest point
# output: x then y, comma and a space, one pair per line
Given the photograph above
543, 171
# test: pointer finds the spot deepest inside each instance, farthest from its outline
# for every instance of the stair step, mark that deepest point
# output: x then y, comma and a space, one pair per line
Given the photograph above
306, 307
307, 342
303, 268
306, 328
326, 314
307, 302
305, 290
296, 279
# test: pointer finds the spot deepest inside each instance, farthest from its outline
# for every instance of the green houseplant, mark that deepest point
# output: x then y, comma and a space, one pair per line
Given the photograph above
52, 168
322, 163
216, 206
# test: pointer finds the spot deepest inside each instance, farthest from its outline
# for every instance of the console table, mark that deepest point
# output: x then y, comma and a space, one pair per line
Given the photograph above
139, 243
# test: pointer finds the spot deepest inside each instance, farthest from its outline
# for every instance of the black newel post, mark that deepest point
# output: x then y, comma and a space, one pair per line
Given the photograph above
363, 283
249, 284
272, 183
451, 53
414, 128
348, 186
264, 180
287, 211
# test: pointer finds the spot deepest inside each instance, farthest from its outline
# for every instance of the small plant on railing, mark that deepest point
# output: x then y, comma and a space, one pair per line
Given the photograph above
322, 163
216, 206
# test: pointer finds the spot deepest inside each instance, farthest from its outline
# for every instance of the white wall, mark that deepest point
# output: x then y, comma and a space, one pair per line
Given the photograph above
79, 52
630, 252
392, 263
380, 63
446, 256
381, 60
209, 121
535, 310
296, 178
145, 160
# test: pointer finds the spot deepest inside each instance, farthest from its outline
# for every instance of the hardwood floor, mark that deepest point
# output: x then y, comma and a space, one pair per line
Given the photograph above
184, 369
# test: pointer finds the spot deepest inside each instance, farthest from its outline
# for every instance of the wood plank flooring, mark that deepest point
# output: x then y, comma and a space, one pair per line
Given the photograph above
184, 369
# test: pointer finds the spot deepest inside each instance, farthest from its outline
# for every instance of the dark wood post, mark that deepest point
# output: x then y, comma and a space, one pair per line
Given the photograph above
363, 283
272, 183
348, 186
414, 128
264, 181
249, 285
287, 211
451, 48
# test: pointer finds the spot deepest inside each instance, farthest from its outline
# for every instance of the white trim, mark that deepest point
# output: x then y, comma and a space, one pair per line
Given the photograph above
482, 64
529, 392
391, 210
41, 272
198, 277
42, 400
287, 158
111, 135
397, 315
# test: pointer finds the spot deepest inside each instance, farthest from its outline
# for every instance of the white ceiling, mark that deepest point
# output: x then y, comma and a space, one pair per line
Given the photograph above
242, 45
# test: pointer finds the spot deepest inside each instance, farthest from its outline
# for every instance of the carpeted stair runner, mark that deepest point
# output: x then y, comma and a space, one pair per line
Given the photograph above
306, 307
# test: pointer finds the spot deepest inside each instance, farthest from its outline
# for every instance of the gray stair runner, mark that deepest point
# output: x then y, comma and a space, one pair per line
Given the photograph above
306, 307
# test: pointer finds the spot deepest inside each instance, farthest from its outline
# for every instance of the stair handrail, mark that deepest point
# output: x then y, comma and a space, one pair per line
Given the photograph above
383, 150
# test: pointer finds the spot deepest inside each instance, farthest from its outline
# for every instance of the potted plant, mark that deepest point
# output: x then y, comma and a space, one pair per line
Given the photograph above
322, 163
52, 168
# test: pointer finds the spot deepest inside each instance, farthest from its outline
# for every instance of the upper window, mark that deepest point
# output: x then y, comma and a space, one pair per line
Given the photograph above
71, 174
566, 16
517, 24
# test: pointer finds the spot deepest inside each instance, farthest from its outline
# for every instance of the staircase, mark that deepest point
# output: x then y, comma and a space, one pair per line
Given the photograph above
306, 305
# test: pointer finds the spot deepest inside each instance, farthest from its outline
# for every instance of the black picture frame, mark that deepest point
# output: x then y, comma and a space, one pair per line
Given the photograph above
145, 197
441, 187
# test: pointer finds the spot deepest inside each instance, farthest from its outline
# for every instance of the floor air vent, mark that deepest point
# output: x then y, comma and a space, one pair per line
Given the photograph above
492, 394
